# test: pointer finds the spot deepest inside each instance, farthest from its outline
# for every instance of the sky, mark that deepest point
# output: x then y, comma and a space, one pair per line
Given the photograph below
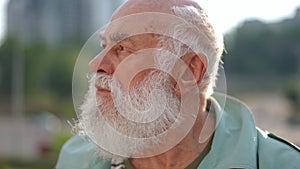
226, 14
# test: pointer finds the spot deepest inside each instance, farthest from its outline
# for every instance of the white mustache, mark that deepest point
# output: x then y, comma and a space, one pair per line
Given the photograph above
102, 80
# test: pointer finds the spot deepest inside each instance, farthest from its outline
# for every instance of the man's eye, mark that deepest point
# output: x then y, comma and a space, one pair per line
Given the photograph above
122, 48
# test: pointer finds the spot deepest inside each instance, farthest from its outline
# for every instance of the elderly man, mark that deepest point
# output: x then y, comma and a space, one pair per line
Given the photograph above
151, 105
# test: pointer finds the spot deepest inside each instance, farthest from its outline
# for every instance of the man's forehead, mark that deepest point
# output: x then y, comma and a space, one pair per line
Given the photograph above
141, 23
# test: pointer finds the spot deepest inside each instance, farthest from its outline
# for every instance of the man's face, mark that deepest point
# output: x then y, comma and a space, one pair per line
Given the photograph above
129, 93
128, 77
131, 108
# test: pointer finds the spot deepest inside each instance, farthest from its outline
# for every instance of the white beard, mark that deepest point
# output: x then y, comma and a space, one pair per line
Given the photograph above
147, 111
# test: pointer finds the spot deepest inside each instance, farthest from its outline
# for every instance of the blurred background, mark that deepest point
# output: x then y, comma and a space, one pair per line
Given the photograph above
41, 39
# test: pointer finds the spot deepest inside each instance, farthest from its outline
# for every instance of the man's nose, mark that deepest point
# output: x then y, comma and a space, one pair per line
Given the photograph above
101, 64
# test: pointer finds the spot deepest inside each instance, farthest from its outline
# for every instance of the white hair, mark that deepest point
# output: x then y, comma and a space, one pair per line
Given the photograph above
199, 34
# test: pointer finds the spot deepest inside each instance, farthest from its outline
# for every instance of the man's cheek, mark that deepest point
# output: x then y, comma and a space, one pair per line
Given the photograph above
134, 68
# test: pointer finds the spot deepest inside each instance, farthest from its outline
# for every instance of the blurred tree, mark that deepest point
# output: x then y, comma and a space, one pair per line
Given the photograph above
292, 93
48, 76
6, 53
258, 49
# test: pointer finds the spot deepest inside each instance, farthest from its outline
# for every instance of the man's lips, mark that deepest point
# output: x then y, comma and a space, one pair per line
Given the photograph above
101, 90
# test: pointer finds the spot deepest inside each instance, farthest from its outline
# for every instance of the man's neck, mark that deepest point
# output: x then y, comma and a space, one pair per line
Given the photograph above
184, 153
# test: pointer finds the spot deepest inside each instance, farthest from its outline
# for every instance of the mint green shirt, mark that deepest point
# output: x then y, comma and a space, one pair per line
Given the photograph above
237, 143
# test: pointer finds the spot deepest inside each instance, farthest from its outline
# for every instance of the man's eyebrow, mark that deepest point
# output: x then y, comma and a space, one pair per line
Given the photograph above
117, 37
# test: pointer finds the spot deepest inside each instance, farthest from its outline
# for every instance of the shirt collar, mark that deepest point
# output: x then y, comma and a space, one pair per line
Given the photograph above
235, 140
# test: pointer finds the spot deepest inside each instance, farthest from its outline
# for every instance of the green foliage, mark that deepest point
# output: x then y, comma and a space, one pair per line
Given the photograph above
7, 50
24, 164
259, 50
292, 91
58, 141
47, 75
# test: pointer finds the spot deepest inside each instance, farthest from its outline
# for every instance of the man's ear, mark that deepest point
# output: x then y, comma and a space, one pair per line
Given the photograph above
197, 64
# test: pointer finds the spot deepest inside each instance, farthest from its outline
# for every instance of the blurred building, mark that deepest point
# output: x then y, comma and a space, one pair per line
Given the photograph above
57, 21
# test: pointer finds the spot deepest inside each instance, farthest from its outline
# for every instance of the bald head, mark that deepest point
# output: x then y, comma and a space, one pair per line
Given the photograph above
163, 6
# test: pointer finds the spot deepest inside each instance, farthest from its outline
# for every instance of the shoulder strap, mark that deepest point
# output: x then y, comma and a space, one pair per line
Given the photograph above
273, 136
